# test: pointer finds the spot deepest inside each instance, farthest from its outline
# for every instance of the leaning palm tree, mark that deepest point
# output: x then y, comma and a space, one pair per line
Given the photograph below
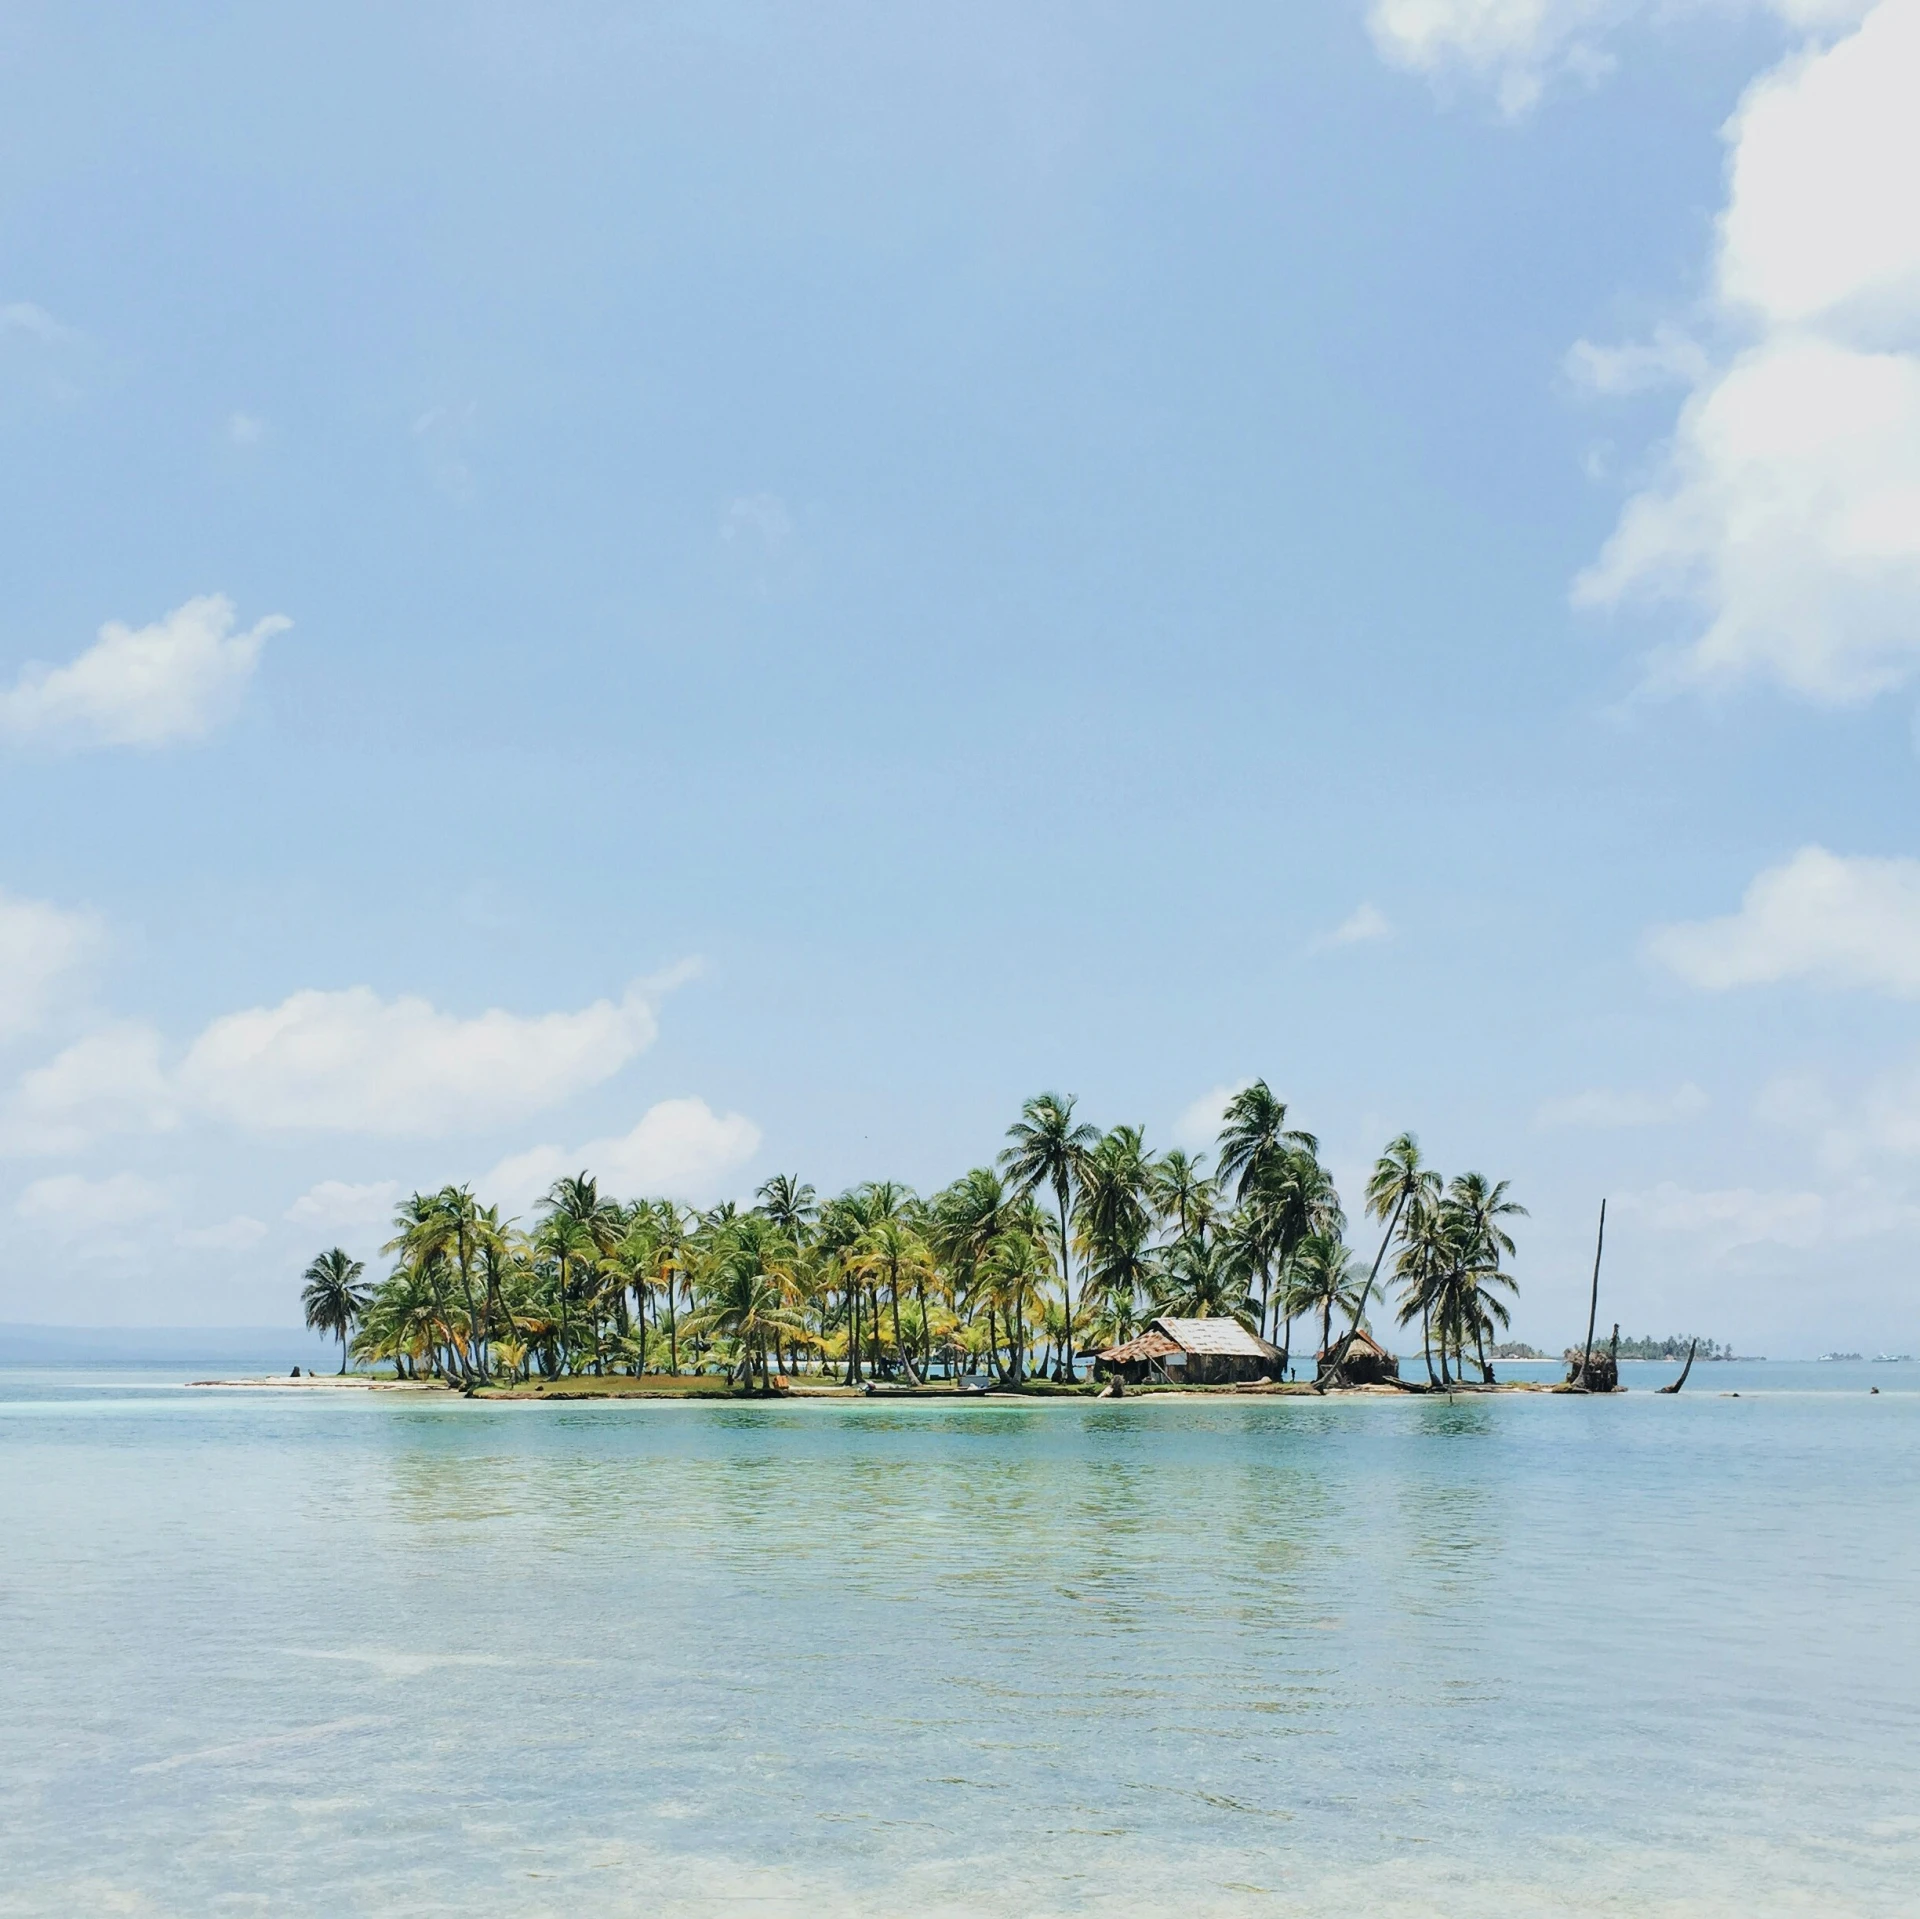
334, 1298
1399, 1182
1045, 1148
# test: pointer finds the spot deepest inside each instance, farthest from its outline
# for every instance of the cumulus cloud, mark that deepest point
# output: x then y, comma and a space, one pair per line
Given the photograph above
141, 686
1602, 1107
352, 1062
42, 949
1364, 924
1785, 511
1818, 917
681, 1149
346, 1061
334, 1202
111, 1081
1515, 47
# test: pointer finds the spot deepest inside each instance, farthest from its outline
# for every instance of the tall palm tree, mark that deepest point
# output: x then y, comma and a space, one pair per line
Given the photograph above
334, 1298
1181, 1192
1479, 1205
1046, 1148
1255, 1137
1116, 1177
892, 1250
1398, 1181
790, 1203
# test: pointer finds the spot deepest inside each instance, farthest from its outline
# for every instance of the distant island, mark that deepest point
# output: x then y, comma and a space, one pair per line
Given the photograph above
1070, 1247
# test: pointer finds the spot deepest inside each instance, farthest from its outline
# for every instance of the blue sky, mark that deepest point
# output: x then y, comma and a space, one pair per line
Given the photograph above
841, 566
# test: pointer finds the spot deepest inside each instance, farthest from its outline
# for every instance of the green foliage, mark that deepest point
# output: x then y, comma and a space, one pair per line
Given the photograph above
1079, 1236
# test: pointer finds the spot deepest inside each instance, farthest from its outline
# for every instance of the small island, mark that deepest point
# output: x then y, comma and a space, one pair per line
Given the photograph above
1079, 1261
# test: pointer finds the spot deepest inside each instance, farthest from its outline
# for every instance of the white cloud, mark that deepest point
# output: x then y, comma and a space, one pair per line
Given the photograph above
335, 1203
148, 686
1819, 917
1786, 511
1199, 1123
111, 1081
1365, 923
70, 1207
1725, 1220
1601, 1107
681, 1149
353, 1062
42, 948
234, 1235
332, 1062
1515, 47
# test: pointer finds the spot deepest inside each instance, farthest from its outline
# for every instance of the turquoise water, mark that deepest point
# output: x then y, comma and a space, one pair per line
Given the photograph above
283, 1653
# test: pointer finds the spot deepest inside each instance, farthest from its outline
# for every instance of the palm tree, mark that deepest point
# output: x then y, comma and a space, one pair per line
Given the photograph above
1181, 1192
1203, 1279
1255, 1137
1478, 1206
891, 1249
1321, 1276
1047, 1149
1398, 1182
748, 1296
1116, 1177
334, 1298
789, 1202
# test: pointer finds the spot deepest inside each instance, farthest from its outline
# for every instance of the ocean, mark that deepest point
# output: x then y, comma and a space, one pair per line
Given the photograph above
360, 1653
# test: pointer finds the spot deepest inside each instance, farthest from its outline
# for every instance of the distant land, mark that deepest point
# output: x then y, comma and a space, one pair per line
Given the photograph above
265, 1348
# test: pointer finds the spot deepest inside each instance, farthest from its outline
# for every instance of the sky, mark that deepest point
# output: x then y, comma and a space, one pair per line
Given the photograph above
697, 591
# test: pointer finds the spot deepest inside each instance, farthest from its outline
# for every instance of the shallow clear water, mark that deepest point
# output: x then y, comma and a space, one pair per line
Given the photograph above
305, 1653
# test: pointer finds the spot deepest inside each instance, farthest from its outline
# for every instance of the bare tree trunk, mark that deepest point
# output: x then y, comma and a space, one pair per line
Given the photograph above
1593, 1307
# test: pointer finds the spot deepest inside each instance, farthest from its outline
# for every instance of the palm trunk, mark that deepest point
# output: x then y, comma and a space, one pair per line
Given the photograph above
1066, 1276
1366, 1292
673, 1335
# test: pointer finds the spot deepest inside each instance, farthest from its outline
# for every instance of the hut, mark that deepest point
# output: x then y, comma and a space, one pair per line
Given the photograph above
1194, 1352
1364, 1363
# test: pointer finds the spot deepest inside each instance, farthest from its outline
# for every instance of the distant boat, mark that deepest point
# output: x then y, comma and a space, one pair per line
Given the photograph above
1824, 1357
1893, 1359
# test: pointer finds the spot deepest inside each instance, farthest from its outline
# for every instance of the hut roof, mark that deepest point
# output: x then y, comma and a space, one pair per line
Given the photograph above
1364, 1344
1152, 1344
1224, 1336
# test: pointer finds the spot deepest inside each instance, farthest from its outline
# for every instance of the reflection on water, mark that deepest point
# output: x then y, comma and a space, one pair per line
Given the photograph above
1215, 1656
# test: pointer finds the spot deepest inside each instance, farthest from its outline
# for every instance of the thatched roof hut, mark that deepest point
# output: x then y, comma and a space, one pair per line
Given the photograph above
1365, 1362
1198, 1352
